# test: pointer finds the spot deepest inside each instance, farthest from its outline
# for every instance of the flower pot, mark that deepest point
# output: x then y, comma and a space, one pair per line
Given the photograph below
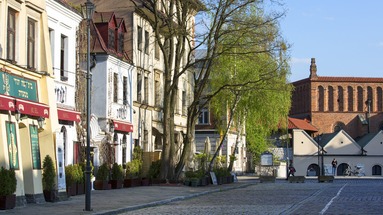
116, 184
71, 190
50, 195
100, 185
80, 188
7, 202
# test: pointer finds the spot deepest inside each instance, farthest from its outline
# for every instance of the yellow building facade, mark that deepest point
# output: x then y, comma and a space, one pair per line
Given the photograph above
26, 95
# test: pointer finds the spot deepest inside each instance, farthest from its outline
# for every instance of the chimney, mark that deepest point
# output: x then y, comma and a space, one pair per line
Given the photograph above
313, 69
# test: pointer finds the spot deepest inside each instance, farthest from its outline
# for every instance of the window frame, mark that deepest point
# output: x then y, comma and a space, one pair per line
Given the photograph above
11, 34
31, 44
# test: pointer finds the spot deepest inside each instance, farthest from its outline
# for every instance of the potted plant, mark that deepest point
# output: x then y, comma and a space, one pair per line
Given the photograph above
70, 180
8, 184
80, 185
117, 176
49, 179
133, 173
154, 172
101, 182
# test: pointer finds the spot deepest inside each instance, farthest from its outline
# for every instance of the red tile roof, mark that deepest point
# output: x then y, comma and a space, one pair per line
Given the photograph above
301, 124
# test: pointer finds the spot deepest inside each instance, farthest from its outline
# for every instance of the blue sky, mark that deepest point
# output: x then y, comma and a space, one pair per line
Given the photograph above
344, 36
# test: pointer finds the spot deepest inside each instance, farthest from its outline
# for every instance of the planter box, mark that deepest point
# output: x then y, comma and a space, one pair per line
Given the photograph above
7, 202
155, 181
297, 179
194, 182
100, 185
80, 189
50, 195
270, 179
71, 190
325, 178
132, 182
145, 182
116, 184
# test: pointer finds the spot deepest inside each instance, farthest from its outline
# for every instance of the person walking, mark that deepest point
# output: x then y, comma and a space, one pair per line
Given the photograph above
291, 171
334, 163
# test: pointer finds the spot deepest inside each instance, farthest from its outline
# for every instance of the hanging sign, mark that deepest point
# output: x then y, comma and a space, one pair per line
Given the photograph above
19, 87
13, 152
36, 161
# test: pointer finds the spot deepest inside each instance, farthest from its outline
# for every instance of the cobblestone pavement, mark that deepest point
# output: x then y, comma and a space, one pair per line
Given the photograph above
341, 197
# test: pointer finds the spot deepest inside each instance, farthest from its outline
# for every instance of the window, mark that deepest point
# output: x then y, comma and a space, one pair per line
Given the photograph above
63, 57
157, 87
330, 98
11, 35
376, 170
370, 97
31, 44
125, 91
146, 42
52, 41
146, 140
120, 43
380, 97
360, 99
339, 126
111, 39
350, 95
340, 99
157, 50
115, 87
139, 38
320, 98
139, 86
204, 116
146, 85
184, 108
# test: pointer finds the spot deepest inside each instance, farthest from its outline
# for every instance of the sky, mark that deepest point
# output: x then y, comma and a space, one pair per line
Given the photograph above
344, 36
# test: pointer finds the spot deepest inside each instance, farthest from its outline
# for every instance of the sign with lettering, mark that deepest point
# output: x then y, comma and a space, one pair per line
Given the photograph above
213, 178
61, 185
13, 152
36, 161
19, 87
266, 159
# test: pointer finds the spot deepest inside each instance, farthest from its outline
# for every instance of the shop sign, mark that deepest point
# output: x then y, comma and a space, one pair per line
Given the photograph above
19, 87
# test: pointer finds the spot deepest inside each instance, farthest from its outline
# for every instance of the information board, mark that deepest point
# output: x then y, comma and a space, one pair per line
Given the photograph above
35, 146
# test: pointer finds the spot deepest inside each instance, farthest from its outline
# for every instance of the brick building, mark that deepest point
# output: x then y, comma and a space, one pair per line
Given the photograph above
353, 104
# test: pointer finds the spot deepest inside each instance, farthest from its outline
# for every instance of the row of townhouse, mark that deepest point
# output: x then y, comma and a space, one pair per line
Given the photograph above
42, 89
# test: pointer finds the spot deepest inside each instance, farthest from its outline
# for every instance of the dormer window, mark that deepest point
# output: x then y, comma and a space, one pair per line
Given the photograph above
111, 39
120, 43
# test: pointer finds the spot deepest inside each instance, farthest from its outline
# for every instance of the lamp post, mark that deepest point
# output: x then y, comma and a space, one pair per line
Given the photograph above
320, 170
88, 10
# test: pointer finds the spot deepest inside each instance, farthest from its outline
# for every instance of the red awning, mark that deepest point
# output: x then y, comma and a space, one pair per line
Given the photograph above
68, 115
32, 108
123, 126
7, 103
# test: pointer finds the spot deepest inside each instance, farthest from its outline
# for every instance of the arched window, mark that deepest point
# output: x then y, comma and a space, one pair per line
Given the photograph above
330, 98
350, 102
371, 98
376, 170
379, 97
341, 170
320, 98
313, 170
360, 99
338, 126
340, 99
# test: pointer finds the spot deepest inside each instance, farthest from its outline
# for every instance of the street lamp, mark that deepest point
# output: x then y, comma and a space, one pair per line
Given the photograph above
320, 170
88, 11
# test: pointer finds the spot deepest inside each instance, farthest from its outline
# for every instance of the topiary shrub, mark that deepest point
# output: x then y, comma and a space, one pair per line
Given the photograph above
49, 174
117, 172
8, 182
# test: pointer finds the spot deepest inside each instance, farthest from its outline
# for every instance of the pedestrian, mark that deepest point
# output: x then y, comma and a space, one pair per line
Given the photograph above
334, 163
291, 171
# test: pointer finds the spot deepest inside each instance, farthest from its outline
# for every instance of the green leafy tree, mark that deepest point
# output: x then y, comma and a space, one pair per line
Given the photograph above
49, 174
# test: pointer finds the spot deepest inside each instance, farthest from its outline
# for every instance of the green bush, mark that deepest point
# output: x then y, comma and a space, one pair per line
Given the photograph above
103, 172
8, 182
222, 172
154, 169
117, 172
70, 175
133, 168
49, 174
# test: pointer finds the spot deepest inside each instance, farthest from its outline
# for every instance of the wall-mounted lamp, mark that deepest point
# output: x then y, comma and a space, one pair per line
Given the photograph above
17, 115
40, 122
111, 127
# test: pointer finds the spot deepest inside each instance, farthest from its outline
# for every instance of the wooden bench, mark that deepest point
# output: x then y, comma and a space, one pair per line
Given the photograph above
297, 179
267, 179
325, 178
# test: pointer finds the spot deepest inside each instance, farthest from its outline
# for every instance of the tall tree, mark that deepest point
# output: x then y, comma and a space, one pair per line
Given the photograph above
173, 25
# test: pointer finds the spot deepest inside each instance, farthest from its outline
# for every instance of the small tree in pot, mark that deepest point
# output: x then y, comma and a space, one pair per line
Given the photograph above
8, 184
117, 176
49, 179
102, 176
